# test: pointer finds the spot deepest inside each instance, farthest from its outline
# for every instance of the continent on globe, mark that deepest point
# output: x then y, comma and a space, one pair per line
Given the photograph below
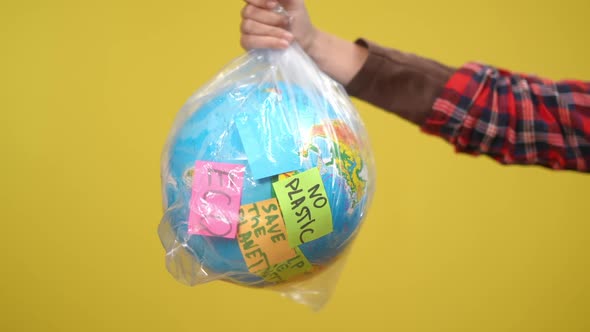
341, 153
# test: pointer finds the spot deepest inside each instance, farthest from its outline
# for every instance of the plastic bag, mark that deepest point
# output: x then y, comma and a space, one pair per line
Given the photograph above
267, 176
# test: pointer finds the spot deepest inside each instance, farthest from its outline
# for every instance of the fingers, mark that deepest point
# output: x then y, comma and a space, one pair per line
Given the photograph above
270, 4
249, 42
251, 27
264, 16
263, 28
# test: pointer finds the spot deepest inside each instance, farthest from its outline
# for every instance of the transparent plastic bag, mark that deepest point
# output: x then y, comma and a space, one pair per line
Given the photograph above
267, 176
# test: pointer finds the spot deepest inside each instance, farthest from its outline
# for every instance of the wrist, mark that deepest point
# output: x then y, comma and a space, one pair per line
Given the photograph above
339, 58
314, 44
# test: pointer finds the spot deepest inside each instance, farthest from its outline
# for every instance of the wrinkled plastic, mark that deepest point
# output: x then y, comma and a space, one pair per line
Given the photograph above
262, 110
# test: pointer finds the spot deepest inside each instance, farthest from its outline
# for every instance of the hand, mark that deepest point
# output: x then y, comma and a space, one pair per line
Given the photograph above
263, 27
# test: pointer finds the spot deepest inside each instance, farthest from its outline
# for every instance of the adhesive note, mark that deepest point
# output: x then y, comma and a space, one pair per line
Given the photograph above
288, 269
262, 235
287, 175
256, 190
305, 207
269, 140
215, 199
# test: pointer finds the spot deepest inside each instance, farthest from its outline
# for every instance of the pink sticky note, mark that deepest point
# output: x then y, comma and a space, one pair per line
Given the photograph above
215, 199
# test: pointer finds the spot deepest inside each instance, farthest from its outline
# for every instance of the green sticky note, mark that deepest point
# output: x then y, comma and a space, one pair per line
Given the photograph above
305, 207
288, 269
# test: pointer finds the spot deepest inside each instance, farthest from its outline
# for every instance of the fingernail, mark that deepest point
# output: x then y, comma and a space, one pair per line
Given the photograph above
271, 4
284, 44
288, 36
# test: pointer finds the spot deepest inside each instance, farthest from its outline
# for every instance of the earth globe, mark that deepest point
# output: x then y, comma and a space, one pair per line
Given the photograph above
327, 136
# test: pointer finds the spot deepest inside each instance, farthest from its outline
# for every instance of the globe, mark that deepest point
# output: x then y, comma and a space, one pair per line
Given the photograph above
328, 138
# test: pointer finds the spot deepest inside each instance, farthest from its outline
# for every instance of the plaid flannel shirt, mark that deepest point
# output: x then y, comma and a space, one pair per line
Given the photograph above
514, 118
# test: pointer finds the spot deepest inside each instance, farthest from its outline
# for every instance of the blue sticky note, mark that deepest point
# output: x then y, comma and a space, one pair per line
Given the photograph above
256, 190
270, 138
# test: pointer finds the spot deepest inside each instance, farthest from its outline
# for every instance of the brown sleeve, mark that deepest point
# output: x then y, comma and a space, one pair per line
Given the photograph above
402, 83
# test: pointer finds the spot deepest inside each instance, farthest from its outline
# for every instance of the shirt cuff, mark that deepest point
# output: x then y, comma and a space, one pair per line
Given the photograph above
402, 83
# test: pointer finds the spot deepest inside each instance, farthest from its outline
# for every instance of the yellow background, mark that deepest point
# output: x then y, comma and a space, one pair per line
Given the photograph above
452, 243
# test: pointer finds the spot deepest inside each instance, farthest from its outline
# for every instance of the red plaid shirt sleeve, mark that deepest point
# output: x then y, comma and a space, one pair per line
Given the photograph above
514, 118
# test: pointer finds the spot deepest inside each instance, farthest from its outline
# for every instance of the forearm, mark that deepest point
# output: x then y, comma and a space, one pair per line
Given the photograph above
515, 118
402, 83
338, 58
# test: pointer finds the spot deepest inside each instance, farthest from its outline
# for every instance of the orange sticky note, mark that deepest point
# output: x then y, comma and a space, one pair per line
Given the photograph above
288, 269
262, 235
